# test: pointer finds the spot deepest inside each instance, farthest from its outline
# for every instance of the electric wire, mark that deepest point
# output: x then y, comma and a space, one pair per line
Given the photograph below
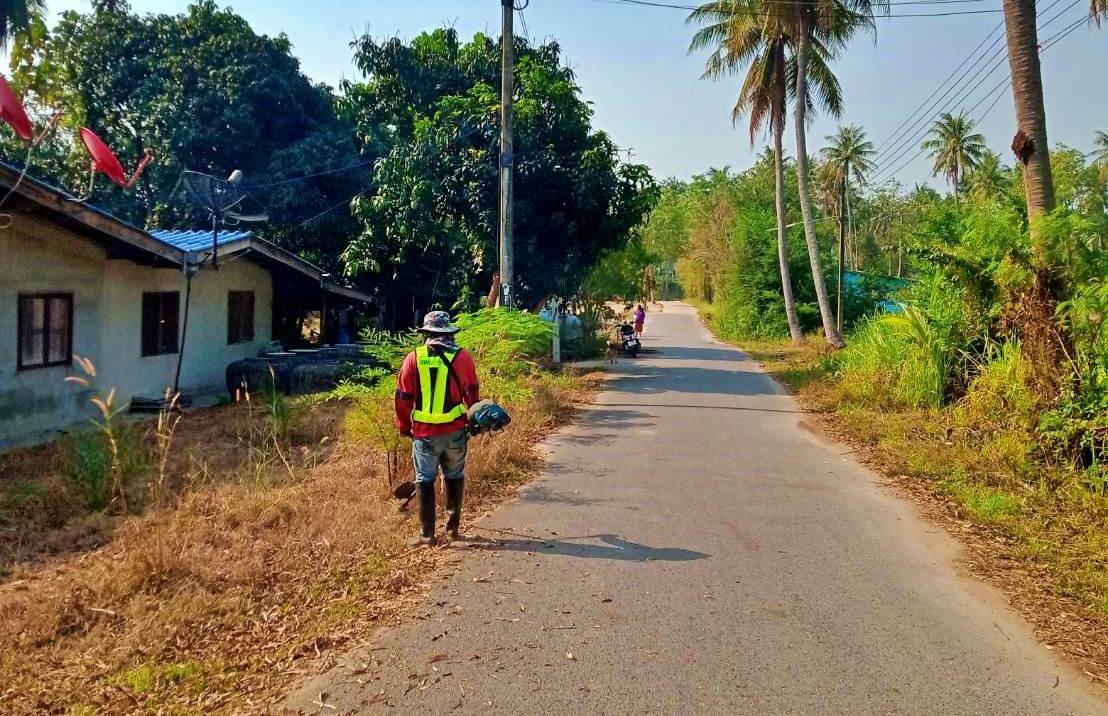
324, 172
884, 142
1004, 84
891, 154
920, 127
755, 13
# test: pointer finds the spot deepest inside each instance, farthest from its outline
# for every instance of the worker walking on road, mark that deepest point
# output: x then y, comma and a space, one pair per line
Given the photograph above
437, 382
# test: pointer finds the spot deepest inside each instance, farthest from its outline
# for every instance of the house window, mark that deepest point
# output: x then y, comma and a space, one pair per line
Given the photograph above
240, 316
45, 330
159, 322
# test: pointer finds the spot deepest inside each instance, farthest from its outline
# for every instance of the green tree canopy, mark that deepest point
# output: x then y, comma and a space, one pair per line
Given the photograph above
431, 108
204, 92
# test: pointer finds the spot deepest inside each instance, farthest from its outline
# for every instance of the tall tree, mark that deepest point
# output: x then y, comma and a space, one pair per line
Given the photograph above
1099, 155
955, 147
820, 25
990, 179
741, 39
1030, 142
428, 223
17, 16
205, 92
850, 154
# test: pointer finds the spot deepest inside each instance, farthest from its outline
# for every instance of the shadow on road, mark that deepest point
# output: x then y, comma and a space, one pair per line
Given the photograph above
685, 353
688, 379
614, 547
702, 407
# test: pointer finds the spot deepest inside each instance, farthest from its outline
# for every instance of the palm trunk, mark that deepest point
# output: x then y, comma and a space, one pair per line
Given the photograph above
851, 239
955, 177
1031, 311
782, 244
826, 316
1030, 142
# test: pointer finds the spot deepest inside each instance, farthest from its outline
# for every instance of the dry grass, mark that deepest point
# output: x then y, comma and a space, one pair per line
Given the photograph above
217, 602
1032, 530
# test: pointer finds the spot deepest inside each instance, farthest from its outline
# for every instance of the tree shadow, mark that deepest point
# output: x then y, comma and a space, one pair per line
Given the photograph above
689, 353
613, 547
602, 425
690, 379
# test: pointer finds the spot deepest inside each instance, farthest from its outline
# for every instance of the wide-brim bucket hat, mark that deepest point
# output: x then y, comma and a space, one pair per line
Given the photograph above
438, 322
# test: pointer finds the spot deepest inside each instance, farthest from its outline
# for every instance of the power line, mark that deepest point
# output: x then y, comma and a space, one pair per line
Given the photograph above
919, 127
329, 209
323, 172
755, 13
1006, 82
884, 142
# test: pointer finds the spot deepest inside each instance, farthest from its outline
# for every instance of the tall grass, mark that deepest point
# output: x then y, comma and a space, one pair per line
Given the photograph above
898, 359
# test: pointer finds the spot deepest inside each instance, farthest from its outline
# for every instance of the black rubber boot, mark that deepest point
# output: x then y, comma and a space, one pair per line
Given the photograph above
426, 513
454, 491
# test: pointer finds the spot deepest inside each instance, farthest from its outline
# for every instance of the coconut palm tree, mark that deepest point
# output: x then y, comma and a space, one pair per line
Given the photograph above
850, 155
821, 26
990, 179
741, 39
1099, 155
955, 147
16, 16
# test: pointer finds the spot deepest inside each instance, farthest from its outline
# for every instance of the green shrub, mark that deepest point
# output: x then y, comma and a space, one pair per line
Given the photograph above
89, 462
898, 358
1000, 396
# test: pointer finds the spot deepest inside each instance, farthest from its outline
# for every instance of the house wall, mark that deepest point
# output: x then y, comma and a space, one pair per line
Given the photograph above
107, 293
35, 258
206, 353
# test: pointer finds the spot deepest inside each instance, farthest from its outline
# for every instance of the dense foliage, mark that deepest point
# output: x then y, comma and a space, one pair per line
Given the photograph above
718, 231
957, 336
202, 91
429, 221
393, 181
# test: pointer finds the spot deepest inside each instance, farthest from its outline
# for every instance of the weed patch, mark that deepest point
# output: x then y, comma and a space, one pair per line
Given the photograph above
268, 548
1036, 528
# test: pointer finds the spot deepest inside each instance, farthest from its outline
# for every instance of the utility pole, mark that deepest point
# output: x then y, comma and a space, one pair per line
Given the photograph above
507, 62
842, 246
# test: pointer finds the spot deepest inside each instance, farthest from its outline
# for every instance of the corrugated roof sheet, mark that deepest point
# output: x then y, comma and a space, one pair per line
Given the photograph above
196, 240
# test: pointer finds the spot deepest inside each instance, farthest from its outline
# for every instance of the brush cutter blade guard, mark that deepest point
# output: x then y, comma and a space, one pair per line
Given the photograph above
105, 161
12, 112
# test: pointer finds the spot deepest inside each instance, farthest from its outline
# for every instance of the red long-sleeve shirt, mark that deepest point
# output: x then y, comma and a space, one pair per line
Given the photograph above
408, 395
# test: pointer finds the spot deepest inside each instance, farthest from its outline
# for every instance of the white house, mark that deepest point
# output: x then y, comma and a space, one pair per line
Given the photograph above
76, 281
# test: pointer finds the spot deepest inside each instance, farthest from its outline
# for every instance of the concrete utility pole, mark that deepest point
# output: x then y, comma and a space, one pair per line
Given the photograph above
507, 62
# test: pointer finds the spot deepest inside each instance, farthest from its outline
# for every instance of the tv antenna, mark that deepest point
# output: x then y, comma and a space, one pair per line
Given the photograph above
223, 198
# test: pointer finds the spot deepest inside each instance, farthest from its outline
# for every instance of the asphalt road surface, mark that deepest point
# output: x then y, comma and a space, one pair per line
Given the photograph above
691, 549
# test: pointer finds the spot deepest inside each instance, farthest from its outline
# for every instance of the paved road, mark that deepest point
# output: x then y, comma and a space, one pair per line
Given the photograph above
691, 549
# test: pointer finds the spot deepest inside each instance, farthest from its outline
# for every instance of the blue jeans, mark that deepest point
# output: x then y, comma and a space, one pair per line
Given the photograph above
447, 450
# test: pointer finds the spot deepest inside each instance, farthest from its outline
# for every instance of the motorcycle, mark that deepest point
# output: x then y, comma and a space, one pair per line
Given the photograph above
631, 343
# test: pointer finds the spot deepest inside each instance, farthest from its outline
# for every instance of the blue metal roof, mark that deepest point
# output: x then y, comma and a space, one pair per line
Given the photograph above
196, 240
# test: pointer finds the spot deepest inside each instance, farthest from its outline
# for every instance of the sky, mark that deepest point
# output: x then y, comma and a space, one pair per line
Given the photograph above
632, 65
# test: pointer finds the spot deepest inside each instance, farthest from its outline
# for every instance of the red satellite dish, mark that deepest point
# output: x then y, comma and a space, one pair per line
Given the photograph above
104, 160
12, 112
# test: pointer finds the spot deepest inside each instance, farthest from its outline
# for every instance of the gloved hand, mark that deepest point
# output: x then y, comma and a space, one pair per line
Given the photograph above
406, 434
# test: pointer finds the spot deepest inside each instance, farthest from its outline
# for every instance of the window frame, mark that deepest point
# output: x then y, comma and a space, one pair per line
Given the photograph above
233, 325
46, 297
176, 328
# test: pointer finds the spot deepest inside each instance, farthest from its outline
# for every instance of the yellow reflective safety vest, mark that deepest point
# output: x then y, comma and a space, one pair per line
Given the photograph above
433, 389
